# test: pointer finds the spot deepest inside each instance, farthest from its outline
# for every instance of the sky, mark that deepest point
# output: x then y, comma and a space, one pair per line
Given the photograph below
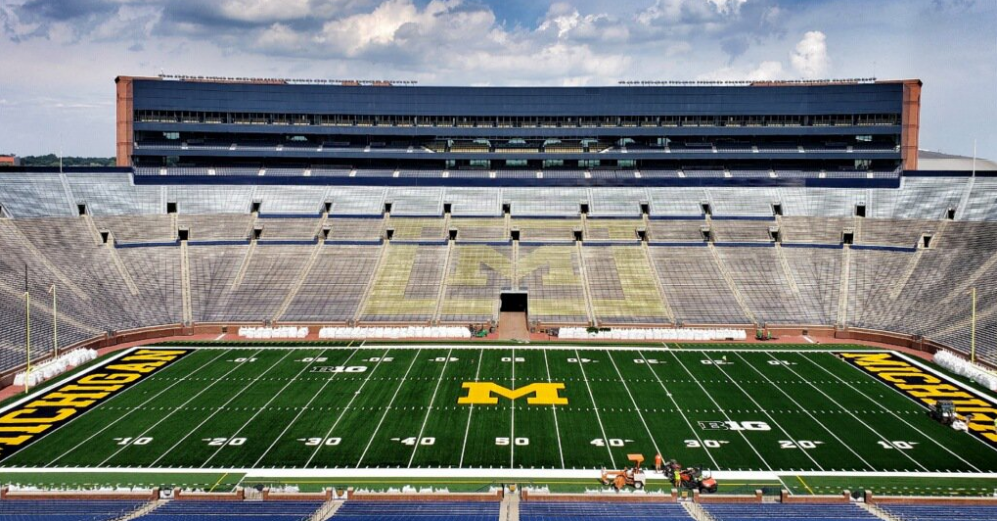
59, 57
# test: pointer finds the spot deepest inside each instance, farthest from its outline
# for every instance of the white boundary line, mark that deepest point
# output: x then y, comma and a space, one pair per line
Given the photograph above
388, 408
721, 409
348, 405
553, 408
824, 348
595, 408
260, 410
895, 415
640, 415
219, 408
679, 409
767, 414
429, 410
174, 411
133, 409
467, 430
805, 411
303, 409
850, 413
486, 473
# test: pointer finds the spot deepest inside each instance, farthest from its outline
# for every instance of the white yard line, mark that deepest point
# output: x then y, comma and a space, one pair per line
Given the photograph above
808, 339
768, 415
347, 408
640, 415
131, 410
429, 410
553, 408
843, 408
264, 407
721, 409
679, 409
178, 408
804, 409
467, 429
219, 337
890, 411
387, 409
602, 428
219, 409
305, 408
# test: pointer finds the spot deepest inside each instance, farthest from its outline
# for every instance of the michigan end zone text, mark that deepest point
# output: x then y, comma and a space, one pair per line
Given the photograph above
924, 387
25, 423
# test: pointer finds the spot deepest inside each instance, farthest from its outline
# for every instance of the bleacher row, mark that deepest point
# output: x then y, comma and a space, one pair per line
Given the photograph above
106, 510
102, 288
42, 194
607, 173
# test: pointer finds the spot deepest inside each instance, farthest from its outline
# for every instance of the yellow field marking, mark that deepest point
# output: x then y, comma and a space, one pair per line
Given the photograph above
805, 485
213, 487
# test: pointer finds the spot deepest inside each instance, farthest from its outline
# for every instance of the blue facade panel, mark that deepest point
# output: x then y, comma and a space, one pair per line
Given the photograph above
871, 98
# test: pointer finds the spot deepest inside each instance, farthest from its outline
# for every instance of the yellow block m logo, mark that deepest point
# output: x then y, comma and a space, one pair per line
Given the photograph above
485, 393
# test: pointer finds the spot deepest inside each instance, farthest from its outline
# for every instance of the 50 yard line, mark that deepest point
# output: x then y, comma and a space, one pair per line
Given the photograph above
467, 429
557, 429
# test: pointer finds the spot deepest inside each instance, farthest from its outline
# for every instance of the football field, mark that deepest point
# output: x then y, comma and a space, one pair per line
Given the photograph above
494, 407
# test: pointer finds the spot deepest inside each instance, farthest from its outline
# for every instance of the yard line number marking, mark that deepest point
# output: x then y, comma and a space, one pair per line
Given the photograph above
429, 410
675, 403
216, 411
595, 408
553, 408
133, 409
388, 408
719, 408
764, 411
382, 358
812, 417
895, 415
174, 411
632, 400
843, 408
467, 429
320, 441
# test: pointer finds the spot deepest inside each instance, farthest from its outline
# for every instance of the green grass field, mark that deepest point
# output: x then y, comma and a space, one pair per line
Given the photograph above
396, 407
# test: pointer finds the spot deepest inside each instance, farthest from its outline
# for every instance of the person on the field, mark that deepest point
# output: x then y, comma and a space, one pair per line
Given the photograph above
657, 462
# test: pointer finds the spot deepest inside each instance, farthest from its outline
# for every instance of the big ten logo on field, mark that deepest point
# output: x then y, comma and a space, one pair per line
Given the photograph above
23, 424
486, 393
730, 425
922, 386
339, 369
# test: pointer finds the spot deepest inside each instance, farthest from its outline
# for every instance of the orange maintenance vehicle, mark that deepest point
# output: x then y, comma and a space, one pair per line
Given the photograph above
628, 477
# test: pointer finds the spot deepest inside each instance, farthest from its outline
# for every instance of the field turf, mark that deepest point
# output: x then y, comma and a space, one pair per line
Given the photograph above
397, 407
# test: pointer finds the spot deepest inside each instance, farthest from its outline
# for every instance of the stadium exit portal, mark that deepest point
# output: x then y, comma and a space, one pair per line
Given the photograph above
515, 302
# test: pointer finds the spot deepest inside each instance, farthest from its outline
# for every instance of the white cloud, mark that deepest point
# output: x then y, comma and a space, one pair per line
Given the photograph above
727, 6
810, 59
765, 71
